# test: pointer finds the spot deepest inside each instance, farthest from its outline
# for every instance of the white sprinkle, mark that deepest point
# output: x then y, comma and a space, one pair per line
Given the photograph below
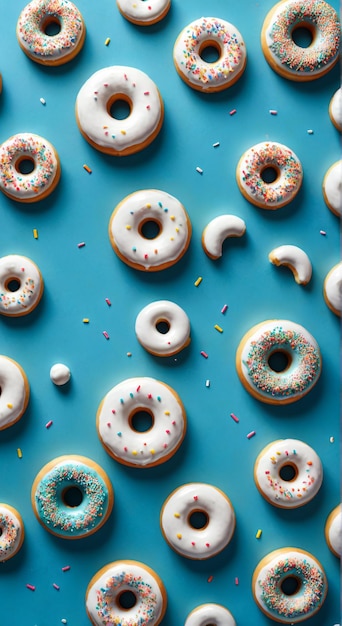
64, 621
216, 145
207, 383
310, 131
273, 112
199, 170
332, 439
322, 232
42, 100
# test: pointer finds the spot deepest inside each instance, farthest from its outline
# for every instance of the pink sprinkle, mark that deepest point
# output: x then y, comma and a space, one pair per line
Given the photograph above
108, 424
81, 244
224, 308
251, 434
232, 112
146, 93
193, 543
49, 424
148, 107
168, 432
273, 112
236, 580
267, 471
165, 445
204, 354
105, 84
195, 498
286, 452
56, 586
145, 256
125, 448
32, 587
138, 387
173, 423
108, 302
66, 568
236, 419
105, 334
113, 411
125, 77
207, 545
149, 395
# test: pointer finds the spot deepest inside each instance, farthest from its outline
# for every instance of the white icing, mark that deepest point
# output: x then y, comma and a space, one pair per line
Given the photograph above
296, 259
210, 614
143, 11
163, 344
60, 374
288, 494
218, 230
147, 448
14, 392
155, 206
191, 542
333, 288
332, 188
27, 277
335, 109
334, 530
107, 133
12, 530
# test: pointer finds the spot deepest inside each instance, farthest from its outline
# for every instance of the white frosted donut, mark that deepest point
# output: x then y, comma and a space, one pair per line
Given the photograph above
333, 531
119, 433
14, 392
264, 343
293, 61
11, 532
335, 109
288, 473
197, 520
105, 596
289, 585
332, 188
21, 285
332, 289
37, 153
101, 91
38, 44
273, 157
296, 259
169, 217
174, 334
210, 32
210, 615
218, 230
144, 12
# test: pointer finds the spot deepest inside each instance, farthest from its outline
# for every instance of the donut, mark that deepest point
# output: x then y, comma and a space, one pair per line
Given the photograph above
210, 615
142, 12
51, 32
188, 58
335, 109
126, 593
218, 230
21, 285
72, 497
288, 473
293, 61
14, 392
300, 369
333, 531
296, 259
332, 188
29, 167
273, 161
197, 520
126, 410
144, 209
11, 532
96, 119
332, 289
163, 328
289, 585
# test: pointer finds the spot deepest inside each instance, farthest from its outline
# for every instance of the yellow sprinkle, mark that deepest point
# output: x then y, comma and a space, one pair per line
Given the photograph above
35, 233
87, 168
123, 132
128, 227
19, 453
85, 320
172, 217
166, 412
176, 515
152, 451
172, 238
148, 206
179, 536
134, 452
259, 533
217, 327
9, 405
177, 230
107, 42
198, 281
279, 453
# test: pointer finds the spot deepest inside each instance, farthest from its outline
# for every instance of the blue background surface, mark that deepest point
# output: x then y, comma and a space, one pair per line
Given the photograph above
77, 281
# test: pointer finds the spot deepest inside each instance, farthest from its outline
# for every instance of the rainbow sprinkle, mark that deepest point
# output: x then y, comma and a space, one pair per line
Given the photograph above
106, 606
9, 535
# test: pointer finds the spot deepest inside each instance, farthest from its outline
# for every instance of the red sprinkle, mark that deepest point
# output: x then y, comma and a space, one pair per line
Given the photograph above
236, 419
210, 579
108, 302
105, 334
49, 424
251, 434
32, 587
204, 354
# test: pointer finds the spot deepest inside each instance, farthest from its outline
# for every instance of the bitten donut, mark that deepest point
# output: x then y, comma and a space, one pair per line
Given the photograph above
21, 285
14, 392
333, 531
142, 12
163, 328
11, 532
188, 54
293, 61
72, 497
218, 230
296, 259
144, 209
197, 520
67, 31
288, 473
95, 110
335, 109
264, 343
125, 412
29, 167
332, 188
289, 585
273, 161
332, 289
126, 593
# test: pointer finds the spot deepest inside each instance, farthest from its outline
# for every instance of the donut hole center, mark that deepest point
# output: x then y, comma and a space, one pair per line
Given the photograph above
288, 472
72, 496
141, 420
150, 228
269, 174
163, 327
1, 531
25, 165
198, 519
12, 284
126, 600
290, 585
303, 35
51, 26
279, 361
210, 51
119, 106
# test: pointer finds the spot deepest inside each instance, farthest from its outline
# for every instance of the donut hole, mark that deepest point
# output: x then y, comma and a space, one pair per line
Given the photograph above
210, 51
288, 472
303, 34
163, 327
1, 531
126, 600
149, 228
25, 165
290, 585
279, 361
119, 106
72, 496
51, 26
269, 174
141, 420
198, 519
12, 284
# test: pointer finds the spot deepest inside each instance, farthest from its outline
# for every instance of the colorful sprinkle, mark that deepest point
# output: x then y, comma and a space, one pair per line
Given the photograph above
198, 281
87, 168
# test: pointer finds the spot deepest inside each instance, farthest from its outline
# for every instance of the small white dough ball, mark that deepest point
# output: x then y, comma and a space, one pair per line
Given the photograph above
60, 374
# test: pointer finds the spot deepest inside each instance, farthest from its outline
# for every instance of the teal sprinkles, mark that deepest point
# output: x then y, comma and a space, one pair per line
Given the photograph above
107, 608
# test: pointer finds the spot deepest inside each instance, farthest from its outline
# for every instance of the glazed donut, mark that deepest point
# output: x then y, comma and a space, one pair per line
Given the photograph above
21, 285
333, 531
215, 33
290, 60
288, 473
269, 157
34, 23
119, 137
143, 13
210, 615
11, 532
335, 109
197, 520
289, 585
130, 400
218, 230
14, 392
105, 595
332, 188
163, 328
72, 497
332, 289
296, 259
141, 209
270, 339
